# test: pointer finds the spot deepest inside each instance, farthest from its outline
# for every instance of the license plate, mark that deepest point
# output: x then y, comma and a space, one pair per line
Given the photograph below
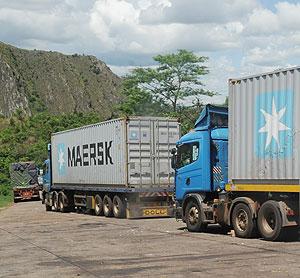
26, 194
155, 212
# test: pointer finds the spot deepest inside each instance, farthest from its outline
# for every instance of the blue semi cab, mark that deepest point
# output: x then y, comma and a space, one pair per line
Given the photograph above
204, 195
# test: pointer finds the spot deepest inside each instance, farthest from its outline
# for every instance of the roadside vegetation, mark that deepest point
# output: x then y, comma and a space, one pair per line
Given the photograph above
25, 139
173, 89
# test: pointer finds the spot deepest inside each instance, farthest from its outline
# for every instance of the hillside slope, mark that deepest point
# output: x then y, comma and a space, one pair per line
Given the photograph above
35, 81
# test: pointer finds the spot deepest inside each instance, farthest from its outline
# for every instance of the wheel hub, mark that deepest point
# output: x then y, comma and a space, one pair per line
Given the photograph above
270, 222
242, 220
116, 207
193, 215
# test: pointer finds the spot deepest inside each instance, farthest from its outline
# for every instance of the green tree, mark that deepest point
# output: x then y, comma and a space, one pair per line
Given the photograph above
175, 79
138, 101
24, 138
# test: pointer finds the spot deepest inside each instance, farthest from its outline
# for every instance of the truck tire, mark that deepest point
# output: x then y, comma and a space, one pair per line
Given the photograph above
48, 208
62, 202
119, 209
45, 201
107, 206
242, 221
98, 205
269, 221
194, 221
55, 201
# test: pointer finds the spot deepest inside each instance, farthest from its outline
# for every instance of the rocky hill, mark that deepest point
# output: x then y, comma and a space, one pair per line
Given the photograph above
35, 81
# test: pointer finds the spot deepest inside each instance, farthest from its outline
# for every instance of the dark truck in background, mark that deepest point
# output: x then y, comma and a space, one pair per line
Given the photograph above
24, 181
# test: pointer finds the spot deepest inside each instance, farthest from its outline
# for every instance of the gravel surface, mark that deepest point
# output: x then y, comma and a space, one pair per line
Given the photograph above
36, 243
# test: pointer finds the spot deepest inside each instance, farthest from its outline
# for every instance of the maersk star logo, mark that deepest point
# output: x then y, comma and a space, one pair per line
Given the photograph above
274, 123
61, 159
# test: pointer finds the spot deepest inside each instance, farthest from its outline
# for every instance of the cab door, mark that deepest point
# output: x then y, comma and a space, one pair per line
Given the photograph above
189, 168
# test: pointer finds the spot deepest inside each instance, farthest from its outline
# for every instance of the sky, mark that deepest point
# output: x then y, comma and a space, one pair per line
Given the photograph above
240, 37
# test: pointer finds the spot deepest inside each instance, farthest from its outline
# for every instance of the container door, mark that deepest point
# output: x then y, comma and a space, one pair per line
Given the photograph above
140, 152
165, 135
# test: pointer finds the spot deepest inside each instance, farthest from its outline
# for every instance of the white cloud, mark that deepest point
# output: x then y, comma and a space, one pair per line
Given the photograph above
262, 21
197, 11
245, 35
117, 25
288, 15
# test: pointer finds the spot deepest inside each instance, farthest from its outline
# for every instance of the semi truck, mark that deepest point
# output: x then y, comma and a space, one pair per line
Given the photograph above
240, 167
24, 181
118, 168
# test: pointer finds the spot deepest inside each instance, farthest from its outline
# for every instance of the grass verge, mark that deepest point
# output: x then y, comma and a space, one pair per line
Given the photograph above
5, 200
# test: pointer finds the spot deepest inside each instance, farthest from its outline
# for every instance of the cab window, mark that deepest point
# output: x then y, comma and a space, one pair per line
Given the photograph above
187, 154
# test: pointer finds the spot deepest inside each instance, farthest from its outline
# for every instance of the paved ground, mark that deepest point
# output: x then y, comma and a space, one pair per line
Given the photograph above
36, 243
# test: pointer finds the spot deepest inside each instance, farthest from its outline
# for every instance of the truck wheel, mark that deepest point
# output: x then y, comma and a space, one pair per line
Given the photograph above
107, 206
269, 221
242, 221
45, 201
193, 219
48, 208
98, 205
119, 209
62, 202
55, 201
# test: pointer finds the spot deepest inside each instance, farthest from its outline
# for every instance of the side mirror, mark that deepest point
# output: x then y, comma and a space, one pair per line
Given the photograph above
41, 172
174, 158
173, 161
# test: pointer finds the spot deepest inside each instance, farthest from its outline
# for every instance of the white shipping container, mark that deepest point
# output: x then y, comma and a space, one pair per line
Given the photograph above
264, 122
133, 152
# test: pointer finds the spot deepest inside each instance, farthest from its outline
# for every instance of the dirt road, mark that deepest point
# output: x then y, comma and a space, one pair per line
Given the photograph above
36, 243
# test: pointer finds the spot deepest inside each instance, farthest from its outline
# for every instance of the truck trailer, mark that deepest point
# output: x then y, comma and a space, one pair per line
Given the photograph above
119, 168
24, 181
241, 168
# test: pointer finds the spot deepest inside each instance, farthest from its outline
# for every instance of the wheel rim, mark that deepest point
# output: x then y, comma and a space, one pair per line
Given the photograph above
116, 207
106, 207
193, 215
242, 220
97, 207
61, 205
55, 204
269, 221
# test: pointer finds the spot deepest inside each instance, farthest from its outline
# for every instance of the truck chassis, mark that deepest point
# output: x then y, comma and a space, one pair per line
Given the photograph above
111, 202
273, 215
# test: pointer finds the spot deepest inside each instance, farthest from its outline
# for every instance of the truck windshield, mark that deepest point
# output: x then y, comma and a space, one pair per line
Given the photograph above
187, 154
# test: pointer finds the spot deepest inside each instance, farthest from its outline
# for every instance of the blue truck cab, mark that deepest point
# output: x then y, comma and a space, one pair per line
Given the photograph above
201, 166
46, 174
203, 194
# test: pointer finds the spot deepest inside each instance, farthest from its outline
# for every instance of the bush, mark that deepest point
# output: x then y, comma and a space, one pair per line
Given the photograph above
26, 138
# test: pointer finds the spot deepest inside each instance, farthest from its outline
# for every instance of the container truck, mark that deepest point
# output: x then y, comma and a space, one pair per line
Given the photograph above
117, 168
245, 174
24, 180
